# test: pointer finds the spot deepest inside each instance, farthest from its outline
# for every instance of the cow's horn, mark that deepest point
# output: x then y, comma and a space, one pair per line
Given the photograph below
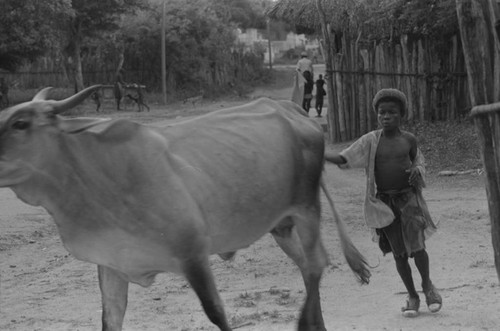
68, 103
42, 94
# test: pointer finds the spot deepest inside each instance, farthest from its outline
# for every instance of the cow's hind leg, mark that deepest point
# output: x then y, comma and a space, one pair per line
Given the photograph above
199, 275
299, 237
114, 292
287, 238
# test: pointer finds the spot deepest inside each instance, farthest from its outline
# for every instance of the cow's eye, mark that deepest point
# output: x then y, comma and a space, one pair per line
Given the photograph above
20, 125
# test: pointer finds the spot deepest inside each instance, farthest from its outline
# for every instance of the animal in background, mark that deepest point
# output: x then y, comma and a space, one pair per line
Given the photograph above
138, 99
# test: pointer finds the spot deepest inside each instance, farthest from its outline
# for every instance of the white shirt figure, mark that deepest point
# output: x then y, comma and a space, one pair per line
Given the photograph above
304, 64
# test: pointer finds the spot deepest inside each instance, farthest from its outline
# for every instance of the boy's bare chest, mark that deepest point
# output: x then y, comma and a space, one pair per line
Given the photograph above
392, 160
393, 149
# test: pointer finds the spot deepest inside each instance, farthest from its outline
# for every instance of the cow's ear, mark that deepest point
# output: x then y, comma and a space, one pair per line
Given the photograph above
79, 124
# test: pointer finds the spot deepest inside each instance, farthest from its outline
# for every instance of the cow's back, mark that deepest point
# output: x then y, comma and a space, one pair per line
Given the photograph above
248, 165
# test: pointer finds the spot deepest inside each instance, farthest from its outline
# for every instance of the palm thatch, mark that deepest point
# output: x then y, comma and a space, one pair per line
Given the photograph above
376, 19
298, 12
304, 12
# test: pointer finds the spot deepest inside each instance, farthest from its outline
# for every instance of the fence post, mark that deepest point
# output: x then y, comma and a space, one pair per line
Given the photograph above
487, 121
328, 54
482, 59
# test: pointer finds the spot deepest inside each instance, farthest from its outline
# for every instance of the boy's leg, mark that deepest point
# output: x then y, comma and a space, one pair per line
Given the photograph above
413, 301
307, 105
432, 297
404, 271
304, 105
422, 262
319, 106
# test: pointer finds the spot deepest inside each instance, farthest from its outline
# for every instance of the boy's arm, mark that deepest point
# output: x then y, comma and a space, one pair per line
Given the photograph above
355, 156
417, 169
335, 158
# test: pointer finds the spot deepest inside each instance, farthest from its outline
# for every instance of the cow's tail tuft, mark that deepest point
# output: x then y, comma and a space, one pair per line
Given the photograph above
355, 259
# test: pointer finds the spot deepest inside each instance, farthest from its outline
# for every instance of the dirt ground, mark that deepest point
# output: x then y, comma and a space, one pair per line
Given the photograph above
42, 287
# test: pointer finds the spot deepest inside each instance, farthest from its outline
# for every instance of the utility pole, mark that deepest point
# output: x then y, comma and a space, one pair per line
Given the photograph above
163, 57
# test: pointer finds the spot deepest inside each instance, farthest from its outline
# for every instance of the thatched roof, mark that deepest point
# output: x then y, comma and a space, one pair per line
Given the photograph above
342, 15
376, 19
299, 12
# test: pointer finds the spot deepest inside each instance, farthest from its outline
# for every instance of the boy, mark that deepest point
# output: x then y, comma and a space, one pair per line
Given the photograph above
308, 90
320, 93
396, 210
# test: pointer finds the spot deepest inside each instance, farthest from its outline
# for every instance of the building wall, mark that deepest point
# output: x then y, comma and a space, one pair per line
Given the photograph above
252, 37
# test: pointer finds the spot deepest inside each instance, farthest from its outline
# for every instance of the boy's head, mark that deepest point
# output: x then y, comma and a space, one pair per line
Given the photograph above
391, 94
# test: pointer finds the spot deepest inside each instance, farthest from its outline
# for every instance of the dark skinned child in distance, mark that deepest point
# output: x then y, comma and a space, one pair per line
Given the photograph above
394, 206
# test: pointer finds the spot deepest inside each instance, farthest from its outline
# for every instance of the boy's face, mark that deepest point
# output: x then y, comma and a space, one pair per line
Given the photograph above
389, 114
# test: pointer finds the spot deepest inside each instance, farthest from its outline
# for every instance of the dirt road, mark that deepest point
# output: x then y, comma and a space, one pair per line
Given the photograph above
42, 287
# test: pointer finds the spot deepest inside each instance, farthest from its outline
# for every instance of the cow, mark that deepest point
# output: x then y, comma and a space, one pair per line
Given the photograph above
139, 200
138, 99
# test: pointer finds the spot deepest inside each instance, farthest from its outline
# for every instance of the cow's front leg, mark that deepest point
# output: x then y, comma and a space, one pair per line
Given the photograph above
199, 275
114, 291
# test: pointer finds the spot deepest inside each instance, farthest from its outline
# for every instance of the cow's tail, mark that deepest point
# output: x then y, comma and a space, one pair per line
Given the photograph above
355, 259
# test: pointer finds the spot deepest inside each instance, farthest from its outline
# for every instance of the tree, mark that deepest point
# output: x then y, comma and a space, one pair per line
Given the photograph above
198, 43
87, 19
249, 14
200, 48
478, 20
28, 29
242, 13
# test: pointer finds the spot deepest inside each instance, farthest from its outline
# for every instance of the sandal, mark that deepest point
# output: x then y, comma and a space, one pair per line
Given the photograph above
433, 299
411, 308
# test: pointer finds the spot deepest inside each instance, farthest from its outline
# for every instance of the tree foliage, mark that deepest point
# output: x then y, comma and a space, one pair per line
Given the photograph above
199, 43
97, 35
249, 14
89, 18
28, 29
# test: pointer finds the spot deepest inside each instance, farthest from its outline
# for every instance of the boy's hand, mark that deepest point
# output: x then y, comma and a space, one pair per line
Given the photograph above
334, 158
414, 175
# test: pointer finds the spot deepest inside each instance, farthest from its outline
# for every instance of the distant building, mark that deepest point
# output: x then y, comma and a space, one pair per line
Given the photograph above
252, 40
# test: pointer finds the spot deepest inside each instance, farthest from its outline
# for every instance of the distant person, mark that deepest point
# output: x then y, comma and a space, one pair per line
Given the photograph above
118, 87
394, 206
96, 96
304, 65
308, 91
320, 93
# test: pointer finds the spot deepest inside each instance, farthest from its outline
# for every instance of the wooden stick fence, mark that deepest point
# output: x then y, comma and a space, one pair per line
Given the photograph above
433, 79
